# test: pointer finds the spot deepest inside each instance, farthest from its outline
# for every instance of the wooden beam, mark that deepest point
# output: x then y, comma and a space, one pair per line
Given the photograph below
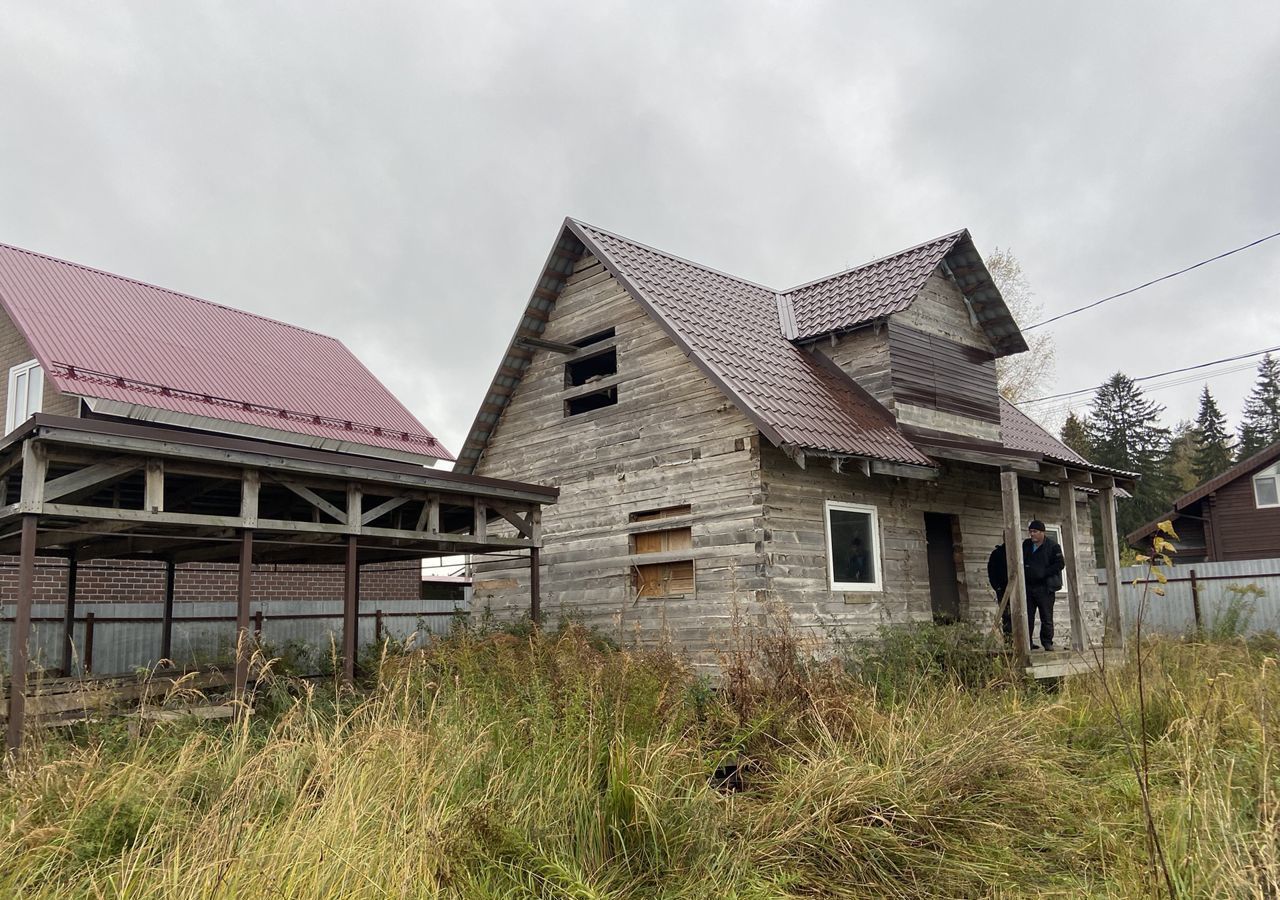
1022, 465
250, 484
382, 509
1016, 592
350, 609
314, 499
1111, 561
919, 473
1071, 551
535, 586
480, 528
243, 595
523, 525
545, 344
35, 464
19, 638
97, 475
355, 507
153, 497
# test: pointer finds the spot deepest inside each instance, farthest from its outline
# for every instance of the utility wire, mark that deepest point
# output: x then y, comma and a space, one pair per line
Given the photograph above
1160, 374
1203, 262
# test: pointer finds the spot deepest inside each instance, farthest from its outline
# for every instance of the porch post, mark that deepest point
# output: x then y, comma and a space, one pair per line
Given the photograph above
1016, 592
350, 610
1071, 550
69, 615
18, 643
243, 648
166, 623
535, 585
1111, 559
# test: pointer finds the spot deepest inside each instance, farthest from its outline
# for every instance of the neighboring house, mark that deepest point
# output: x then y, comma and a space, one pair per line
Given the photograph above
80, 342
1232, 517
718, 444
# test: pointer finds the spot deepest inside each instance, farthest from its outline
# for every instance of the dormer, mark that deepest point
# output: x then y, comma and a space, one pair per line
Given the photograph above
920, 331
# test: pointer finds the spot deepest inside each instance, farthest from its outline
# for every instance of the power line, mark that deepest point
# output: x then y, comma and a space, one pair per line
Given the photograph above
1160, 374
1203, 262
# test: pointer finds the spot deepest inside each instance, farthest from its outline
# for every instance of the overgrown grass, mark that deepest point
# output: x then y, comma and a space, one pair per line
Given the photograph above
555, 766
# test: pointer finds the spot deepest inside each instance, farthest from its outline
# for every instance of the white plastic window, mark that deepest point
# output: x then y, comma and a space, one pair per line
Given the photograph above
1266, 487
1055, 532
26, 391
853, 547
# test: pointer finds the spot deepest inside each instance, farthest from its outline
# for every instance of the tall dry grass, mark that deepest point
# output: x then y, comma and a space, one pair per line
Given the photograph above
550, 766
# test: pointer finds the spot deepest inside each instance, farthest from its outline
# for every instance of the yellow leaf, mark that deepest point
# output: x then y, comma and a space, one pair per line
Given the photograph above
1159, 591
1142, 558
1167, 527
1160, 576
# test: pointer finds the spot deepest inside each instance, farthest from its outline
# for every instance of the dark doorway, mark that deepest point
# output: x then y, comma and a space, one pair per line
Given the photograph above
942, 537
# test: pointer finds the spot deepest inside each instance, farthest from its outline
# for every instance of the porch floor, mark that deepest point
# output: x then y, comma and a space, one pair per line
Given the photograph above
1060, 663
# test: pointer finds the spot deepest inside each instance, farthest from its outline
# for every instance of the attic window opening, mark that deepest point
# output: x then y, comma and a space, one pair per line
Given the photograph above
588, 402
593, 368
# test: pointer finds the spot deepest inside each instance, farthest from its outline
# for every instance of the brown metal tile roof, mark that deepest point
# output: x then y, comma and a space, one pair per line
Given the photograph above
730, 329
102, 336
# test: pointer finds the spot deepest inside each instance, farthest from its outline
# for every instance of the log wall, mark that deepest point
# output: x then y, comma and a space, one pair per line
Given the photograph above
672, 439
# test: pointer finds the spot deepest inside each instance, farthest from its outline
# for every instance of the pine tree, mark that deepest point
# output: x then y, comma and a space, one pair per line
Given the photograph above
1260, 424
1212, 456
1075, 436
1124, 432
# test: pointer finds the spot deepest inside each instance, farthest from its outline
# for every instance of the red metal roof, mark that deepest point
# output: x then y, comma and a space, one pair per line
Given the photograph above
99, 335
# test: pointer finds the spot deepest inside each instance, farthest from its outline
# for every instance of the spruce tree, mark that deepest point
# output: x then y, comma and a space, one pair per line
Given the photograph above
1260, 424
1075, 436
1124, 432
1212, 456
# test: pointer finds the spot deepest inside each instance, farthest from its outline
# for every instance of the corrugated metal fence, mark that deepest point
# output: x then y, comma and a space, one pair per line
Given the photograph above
122, 637
1240, 597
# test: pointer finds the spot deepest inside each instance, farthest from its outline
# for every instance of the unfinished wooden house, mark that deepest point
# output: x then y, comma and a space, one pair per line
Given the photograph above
839, 448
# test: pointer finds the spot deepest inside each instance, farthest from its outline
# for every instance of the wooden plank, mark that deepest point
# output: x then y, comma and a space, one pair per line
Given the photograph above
153, 492
382, 509
1016, 592
93, 476
480, 526
314, 499
250, 484
35, 463
1071, 551
355, 507
1111, 561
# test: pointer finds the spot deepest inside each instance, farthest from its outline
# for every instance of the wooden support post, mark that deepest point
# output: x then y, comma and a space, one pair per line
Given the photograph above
250, 487
350, 610
1016, 592
153, 489
69, 617
1071, 551
243, 647
480, 528
535, 585
86, 664
1111, 560
19, 642
166, 618
1195, 602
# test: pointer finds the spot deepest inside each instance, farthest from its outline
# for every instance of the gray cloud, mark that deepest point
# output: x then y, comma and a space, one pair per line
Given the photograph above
395, 176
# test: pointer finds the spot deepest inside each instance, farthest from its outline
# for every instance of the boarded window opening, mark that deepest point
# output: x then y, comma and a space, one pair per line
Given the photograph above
650, 515
588, 402
592, 369
665, 579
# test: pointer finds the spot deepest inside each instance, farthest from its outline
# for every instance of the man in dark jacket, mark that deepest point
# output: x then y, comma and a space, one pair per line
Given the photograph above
1042, 563
998, 578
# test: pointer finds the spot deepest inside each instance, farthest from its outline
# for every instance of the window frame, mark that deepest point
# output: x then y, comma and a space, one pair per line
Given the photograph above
1272, 474
664, 520
1055, 531
35, 376
866, 587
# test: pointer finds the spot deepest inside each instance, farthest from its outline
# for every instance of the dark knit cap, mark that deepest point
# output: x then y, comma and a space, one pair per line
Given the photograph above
1036, 525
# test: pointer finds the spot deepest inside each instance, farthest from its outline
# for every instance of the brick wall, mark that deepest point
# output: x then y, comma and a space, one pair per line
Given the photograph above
114, 581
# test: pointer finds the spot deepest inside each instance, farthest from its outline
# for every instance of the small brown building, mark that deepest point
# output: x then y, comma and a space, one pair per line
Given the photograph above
1234, 516
720, 446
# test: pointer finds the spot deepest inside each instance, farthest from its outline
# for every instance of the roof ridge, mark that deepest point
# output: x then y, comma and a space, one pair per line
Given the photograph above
952, 235
156, 287
669, 255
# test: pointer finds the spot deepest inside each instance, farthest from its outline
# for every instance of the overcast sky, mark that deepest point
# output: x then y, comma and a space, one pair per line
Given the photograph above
395, 176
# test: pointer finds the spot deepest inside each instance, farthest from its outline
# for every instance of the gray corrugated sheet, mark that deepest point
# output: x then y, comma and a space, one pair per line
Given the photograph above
1225, 597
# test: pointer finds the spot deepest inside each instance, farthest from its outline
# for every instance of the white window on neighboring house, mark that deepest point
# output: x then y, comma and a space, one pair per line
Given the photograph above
1266, 487
853, 547
1055, 532
26, 390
